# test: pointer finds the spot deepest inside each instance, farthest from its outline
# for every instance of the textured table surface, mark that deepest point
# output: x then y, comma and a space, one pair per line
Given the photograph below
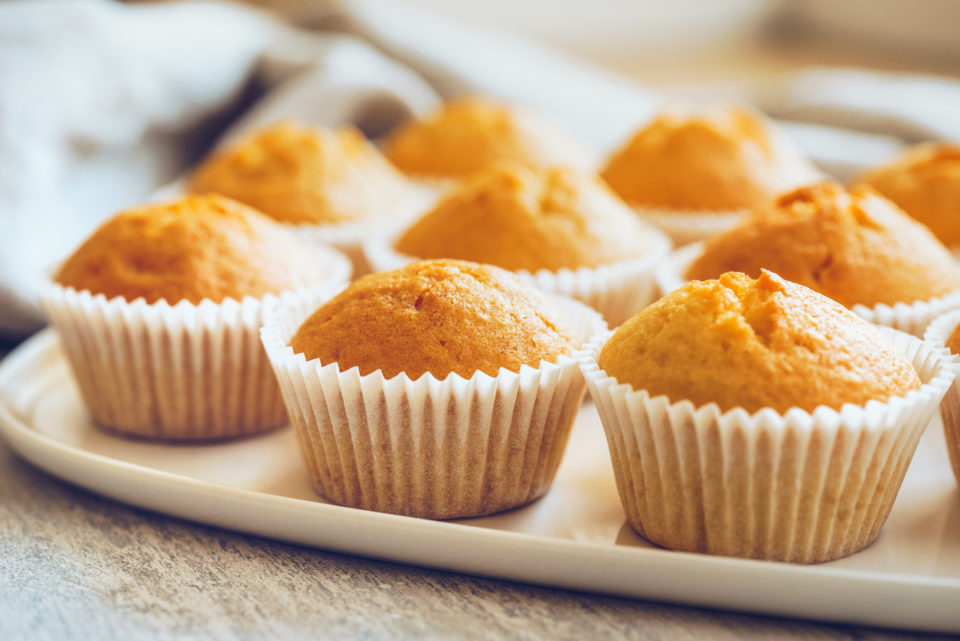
77, 566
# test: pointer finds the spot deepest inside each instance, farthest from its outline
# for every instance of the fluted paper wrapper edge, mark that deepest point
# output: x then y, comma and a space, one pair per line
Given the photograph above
685, 226
912, 318
799, 487
936, 337
349, 237
617, 290
669, 275
180, 372
429, 448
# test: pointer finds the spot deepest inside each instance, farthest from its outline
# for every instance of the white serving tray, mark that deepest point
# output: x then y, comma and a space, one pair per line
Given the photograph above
575, 537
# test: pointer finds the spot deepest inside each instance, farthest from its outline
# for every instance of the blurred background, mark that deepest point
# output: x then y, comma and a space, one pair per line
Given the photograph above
852, 80
684, 44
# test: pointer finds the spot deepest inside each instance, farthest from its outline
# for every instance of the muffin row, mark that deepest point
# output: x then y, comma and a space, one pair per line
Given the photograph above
517, 192
447, 389
692, 170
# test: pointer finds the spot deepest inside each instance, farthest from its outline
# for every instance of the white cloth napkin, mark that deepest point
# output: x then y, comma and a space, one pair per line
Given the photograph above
100, 103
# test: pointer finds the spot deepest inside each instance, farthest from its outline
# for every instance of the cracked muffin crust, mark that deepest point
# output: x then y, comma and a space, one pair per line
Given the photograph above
437, 316
855, 247
748, 343
517, 218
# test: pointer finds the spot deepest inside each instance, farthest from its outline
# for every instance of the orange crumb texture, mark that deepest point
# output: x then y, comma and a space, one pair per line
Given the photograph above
193, 248
467, 134
855, 247
716, 158
953, 341
748, 343
519, 218
437, 316
925, 182
299, 174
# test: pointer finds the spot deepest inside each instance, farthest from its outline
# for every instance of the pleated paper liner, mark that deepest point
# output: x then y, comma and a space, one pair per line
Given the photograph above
801, 487
685, 226
173, 372
617, 290
450, 448
936, 336
911, 317
349, 237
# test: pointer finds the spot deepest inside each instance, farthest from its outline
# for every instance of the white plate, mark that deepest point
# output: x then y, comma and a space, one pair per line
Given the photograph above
575, 537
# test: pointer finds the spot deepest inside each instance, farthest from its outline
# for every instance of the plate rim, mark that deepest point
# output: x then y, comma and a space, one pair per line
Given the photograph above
49, 454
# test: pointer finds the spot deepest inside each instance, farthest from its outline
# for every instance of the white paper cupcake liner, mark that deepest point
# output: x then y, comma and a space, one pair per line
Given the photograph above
689, 226
936, 336
173, 372
802, 487
669, 274
912, 318
617, 290
435, 185
430, 448
349, 237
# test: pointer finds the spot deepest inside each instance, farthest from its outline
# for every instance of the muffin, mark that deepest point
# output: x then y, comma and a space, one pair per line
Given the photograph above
759, 419
561, 228
332, 184
925, 182
445, 389
944, 334
467, 134
158, 313
695, 172
855, 247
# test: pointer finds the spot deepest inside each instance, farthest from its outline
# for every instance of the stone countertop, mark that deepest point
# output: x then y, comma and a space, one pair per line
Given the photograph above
74, 565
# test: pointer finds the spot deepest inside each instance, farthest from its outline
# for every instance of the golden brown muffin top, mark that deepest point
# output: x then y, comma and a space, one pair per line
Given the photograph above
437, 316
467, 134
953, 341
518, 218
718, 158
299, 174
925, 182
193, 248
855, 247
748, 343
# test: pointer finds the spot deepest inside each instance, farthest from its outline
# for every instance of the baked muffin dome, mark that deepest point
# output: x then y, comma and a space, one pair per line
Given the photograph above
753, 344
855, 247
193, 248
299, 174
467, 134
519, 218
953, 340
721, 158
925, 182
437, 316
